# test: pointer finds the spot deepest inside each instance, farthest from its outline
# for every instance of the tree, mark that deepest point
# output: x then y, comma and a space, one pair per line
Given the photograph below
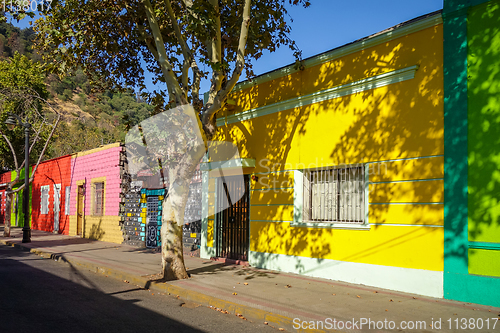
177, 39
23, 93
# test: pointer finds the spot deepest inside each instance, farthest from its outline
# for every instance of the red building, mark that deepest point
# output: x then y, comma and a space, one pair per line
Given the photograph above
50, 195
4, 179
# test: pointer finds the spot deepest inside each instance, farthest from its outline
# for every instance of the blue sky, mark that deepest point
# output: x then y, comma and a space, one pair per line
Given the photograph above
328, 24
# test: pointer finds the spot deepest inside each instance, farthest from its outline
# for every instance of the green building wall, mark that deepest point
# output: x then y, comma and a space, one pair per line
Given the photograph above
20, 215
472, 151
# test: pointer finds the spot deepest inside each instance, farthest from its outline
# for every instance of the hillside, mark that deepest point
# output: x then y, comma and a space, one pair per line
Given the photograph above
89, 119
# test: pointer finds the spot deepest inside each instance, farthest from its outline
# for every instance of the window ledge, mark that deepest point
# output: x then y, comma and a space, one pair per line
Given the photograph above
331, 225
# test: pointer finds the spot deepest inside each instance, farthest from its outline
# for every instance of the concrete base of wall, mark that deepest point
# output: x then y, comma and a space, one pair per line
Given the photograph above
416, 281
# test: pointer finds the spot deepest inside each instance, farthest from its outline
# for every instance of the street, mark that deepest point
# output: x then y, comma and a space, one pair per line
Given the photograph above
41, 295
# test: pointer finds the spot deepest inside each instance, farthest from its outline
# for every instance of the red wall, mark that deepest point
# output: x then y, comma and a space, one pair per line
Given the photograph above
55, 171
4, 178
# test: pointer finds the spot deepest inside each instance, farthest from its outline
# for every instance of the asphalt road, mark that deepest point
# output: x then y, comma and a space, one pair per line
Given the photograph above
41, 295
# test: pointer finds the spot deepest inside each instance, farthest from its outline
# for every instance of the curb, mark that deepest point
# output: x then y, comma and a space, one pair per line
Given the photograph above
276, 321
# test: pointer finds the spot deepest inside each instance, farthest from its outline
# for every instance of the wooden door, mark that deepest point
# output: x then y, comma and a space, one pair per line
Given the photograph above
79, 210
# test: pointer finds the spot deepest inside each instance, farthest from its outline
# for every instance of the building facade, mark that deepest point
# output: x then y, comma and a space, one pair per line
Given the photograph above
50, 194
95, 198
471, 114
342, 160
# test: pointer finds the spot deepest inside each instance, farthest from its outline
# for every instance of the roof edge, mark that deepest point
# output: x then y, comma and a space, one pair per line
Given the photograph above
402, 29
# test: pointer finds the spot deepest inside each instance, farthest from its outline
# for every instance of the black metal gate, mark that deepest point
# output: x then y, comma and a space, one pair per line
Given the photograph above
232, 236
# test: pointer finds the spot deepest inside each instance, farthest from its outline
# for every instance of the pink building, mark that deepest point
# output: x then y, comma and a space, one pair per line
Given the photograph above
96, 193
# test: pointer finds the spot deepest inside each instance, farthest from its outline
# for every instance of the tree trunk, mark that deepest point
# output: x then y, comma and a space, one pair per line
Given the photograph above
8, 209
171, 231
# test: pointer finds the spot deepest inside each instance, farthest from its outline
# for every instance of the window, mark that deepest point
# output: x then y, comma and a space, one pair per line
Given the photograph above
334, 195
44, 200
66, 202
98, 198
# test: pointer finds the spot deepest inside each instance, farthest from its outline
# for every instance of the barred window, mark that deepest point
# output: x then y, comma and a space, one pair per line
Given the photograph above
44, 200
335, 195
98, 199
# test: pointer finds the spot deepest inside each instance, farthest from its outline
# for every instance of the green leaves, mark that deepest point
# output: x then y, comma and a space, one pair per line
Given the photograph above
21, 86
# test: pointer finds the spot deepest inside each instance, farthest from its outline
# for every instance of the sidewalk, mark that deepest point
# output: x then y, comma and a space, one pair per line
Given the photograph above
260, 295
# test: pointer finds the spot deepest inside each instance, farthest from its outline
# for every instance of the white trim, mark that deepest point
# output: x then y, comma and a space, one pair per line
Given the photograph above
416, 281
409, 225
405, 159
205, 251
367, 194
407, 181
345, 50
406, 203
369, 83
235, 163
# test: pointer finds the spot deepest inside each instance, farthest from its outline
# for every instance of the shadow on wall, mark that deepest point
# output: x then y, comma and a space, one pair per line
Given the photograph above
400, 120
483, 128
96, 232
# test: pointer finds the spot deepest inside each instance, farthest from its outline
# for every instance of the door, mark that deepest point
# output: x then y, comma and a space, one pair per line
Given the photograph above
79, 210
233, 222
16, 209
57, 206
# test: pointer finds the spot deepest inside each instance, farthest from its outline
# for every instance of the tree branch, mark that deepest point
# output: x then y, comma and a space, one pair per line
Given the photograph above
220, 99
174, 89
11, 148
41, 154
215, 53
145, 38
186, 51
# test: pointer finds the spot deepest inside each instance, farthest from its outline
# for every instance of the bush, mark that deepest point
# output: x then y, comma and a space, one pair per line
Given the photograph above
68, 93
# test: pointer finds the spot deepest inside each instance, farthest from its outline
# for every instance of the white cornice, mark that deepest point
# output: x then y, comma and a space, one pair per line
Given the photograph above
396, 32
324, 95
235, 163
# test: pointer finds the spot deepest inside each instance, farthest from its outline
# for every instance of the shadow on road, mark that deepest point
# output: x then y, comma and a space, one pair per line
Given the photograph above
34, 300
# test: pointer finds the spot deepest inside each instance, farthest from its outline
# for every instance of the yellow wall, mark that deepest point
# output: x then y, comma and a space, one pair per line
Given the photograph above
103, 228
398, 121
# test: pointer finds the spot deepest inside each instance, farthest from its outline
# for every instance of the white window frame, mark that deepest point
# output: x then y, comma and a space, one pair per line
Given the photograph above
44, 209
67, 198
301, 218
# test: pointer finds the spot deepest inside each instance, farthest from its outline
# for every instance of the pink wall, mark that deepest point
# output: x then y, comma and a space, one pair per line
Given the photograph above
104, 163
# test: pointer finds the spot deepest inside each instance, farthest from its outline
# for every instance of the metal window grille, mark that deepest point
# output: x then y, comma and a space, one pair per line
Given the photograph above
335, 195
99, 199
44, 207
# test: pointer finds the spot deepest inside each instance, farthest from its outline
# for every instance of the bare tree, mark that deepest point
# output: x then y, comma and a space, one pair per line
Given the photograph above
28, 105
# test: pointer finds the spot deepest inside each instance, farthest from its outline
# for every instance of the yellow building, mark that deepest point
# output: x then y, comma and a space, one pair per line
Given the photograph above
343, 165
